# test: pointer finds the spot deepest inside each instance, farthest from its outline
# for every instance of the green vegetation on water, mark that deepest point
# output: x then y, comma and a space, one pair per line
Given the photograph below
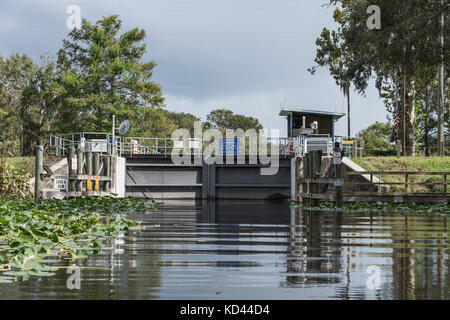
30, 232
383, 207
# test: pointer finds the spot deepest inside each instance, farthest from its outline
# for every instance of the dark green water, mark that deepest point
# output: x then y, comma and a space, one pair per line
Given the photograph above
243, 250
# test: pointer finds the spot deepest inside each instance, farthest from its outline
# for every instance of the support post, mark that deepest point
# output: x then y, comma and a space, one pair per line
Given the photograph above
39, 170
88, 157
79, 183
70, 154
399, 148
317, 170
107, 168
298, 173
96, 170
305, 175
293, 179
338, 175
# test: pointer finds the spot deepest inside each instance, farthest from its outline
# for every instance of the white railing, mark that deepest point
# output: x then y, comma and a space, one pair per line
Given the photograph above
102, 142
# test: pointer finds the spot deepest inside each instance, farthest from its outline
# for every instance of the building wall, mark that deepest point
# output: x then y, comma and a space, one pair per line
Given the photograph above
325, 123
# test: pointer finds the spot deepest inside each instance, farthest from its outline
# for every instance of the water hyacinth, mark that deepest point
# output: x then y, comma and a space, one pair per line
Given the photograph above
29, 232
383, 207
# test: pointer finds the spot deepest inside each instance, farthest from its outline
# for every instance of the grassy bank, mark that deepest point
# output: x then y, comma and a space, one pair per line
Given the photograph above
29, 232
15, 173
25, 164
421, 164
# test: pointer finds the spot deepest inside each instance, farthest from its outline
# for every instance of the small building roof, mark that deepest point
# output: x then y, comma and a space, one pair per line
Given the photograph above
285, 112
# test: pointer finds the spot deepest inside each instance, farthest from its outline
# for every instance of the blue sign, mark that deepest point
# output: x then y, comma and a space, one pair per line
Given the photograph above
229, 145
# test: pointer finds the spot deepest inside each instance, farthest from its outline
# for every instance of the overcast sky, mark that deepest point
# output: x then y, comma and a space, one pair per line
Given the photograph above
245, 55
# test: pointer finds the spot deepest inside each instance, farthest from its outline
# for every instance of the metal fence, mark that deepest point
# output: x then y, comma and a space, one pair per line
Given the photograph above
103, 143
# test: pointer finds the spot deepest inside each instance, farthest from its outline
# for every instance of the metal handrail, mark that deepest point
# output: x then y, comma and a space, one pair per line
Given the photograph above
148, 145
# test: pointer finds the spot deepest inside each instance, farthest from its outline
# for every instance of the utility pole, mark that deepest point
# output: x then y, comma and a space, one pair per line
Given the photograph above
348, 109
441, 146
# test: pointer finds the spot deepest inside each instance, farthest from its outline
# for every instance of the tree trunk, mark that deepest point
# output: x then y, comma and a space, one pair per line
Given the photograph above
426, 139
411, 121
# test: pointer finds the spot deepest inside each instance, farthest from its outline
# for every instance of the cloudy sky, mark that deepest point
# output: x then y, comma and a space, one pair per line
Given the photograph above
245, 55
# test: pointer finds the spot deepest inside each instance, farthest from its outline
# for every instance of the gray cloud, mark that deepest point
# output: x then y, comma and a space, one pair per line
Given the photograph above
244, 55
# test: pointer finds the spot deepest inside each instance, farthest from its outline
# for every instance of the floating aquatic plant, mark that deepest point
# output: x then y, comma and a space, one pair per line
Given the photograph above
380, 207
29, 232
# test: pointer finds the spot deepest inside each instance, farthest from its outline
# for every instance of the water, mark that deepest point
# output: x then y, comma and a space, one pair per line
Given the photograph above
255, 250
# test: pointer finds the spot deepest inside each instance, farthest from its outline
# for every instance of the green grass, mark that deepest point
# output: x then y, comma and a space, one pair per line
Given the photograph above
421, 164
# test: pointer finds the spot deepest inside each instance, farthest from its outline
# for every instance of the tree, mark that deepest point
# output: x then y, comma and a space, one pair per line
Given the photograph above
40, 100
182, 120
102, 74
406, 44
153, 123
226, 119
16, 73
376, 139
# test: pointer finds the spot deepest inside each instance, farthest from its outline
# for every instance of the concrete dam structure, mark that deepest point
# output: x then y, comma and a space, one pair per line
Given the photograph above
157, 177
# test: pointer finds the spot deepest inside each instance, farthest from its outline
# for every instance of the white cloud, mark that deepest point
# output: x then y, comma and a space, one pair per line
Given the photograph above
245, 55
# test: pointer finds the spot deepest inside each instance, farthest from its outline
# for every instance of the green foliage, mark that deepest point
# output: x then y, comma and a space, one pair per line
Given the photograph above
13, 181
182, 120
384, 207
406, 44
102, 74
226, 119
30, 231
376, 139
16, 73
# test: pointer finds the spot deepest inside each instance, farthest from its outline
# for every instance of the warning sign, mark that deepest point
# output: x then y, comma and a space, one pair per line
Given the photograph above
336, 158
60, 181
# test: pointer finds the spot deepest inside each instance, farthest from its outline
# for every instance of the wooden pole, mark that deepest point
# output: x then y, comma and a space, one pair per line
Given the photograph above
88, 157
348, 110
298, 173
107, 168
70, 154
79, 183
96, 170
317, 169
39, 170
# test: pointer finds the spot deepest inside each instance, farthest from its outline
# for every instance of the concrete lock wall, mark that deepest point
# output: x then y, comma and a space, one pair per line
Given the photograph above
153, 176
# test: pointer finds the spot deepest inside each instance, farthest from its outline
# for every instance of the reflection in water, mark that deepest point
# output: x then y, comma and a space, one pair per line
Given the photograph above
259, 250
